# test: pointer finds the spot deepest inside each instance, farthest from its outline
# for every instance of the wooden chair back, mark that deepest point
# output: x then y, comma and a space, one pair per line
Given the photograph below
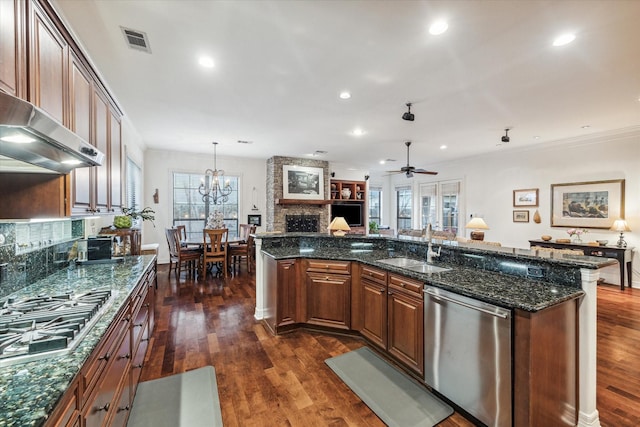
182, 231
245, 230
173, 241
215, 247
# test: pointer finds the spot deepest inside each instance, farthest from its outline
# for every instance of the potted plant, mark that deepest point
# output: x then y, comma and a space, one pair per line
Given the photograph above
373, 227
131, 214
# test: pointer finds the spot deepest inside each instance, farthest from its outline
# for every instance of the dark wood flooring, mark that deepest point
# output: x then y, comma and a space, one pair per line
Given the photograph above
265, 380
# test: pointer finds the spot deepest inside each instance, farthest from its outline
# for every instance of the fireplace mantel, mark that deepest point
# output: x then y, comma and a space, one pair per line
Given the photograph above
302, 202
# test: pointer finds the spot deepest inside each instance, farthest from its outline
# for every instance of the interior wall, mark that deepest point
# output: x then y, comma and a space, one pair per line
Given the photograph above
159, 166
489, 181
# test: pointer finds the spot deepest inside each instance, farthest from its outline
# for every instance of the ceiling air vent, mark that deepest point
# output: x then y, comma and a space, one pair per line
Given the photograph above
136, 39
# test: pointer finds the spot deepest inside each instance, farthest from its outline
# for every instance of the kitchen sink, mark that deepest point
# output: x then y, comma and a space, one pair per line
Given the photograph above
401, 262
413, 265
426, 268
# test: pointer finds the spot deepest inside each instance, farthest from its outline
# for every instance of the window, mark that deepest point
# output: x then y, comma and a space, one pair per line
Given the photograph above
375, 205
134, 185
403, 206
190, 210
440, 205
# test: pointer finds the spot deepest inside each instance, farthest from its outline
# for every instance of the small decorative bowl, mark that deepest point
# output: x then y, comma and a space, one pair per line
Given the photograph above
546, 238
602, 242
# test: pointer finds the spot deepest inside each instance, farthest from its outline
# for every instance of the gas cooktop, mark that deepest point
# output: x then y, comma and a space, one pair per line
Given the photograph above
45, 326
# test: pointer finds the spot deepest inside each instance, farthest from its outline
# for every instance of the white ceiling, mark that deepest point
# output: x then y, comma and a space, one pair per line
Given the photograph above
280, 65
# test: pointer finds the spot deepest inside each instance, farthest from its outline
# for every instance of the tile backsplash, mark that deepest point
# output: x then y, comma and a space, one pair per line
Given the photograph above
30, 251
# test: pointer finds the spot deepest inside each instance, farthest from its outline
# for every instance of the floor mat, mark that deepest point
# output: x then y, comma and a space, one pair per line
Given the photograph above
189, 399
395, 398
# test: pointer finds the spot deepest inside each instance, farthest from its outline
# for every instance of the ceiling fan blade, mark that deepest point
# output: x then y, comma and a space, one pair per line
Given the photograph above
394, 171
425, 172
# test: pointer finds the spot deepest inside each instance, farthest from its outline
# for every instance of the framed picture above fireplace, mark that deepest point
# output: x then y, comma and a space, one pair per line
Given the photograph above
301, 182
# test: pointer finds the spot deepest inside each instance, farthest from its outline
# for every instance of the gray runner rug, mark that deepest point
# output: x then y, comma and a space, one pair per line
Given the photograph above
395, 398
189, 399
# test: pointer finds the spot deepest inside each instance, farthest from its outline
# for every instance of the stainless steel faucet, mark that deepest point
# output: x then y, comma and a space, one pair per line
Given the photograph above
430, 252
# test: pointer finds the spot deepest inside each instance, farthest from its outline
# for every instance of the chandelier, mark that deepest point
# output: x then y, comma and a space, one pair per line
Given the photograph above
213, 187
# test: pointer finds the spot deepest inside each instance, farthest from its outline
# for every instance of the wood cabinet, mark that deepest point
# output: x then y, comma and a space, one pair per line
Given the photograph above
282, 295
405, 315
12, 49
103, 391
392, 312
81, 88
373, 283
48, 64
18, 191
41, 63
328, 293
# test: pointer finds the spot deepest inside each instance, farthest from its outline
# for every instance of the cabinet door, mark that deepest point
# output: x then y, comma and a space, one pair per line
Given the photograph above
12, 60
47, 65
406, 329
287, 295
101, 141
115, 158
329, 300
374, 317
80, 123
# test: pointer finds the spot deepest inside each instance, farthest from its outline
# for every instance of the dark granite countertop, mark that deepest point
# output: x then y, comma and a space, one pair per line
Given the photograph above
505, 290
29, 391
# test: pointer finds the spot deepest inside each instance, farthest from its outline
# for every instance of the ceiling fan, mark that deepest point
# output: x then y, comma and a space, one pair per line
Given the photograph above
410, 170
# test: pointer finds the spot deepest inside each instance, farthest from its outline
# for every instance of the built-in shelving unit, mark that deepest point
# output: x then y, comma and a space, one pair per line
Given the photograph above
350, 199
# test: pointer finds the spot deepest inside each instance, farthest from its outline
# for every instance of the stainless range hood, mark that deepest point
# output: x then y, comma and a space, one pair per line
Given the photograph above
28, 134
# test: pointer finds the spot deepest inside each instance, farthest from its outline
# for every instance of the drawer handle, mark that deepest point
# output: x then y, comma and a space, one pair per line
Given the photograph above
146, 305
382, 291
105, 357
126, 356
126, 319
126, 408
137, 366
137, 325
105, 407
144, 339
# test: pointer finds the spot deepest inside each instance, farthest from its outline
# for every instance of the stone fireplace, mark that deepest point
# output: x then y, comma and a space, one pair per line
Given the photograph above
304, 216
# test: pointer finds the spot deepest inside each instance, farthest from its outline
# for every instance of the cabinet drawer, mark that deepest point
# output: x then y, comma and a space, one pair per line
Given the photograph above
409, 286
374, 275
93, 370
103, 404
325, 266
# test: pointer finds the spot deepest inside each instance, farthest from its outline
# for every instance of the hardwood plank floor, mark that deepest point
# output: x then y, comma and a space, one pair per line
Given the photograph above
265, 380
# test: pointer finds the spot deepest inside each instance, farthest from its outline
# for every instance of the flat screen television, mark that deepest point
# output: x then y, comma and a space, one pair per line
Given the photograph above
351, 212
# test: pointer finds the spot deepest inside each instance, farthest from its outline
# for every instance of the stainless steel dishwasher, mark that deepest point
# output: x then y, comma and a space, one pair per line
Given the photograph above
467, 354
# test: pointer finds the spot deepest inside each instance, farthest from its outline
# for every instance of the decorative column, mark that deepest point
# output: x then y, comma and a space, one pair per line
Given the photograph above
260, 281
587, 355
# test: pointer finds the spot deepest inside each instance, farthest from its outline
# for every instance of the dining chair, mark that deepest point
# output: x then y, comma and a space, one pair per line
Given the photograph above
243, 249
180, 255
183, 237
215, 249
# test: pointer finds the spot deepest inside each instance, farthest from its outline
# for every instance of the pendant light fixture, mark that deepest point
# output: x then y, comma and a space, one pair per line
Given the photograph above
213, 187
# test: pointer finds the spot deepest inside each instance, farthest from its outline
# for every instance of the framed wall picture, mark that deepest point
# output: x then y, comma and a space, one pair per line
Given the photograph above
254, 220
300, 182
595, 204
528, 197
520, 216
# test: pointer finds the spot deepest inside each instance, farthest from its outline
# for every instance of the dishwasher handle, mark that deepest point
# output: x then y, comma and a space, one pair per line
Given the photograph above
503, 314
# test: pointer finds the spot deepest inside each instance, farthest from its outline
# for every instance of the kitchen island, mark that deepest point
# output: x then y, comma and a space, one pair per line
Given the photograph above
551, 300
30, 391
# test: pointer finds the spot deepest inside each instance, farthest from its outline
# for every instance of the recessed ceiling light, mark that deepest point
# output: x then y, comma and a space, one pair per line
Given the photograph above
585, 127
438, 28
358, 132
206, 61
443, 147
382, 162
345, 95
536, 137
564, 39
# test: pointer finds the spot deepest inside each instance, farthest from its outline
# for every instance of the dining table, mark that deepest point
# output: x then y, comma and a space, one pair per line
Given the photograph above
234, 240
